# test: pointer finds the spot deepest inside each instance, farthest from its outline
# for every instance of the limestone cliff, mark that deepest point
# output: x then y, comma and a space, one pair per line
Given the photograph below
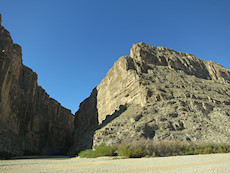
30, 121
157, 93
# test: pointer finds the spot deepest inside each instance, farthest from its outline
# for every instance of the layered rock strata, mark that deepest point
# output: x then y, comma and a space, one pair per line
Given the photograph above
30, 121
157, 93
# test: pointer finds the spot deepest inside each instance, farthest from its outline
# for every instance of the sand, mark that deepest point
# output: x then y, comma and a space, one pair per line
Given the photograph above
212, 163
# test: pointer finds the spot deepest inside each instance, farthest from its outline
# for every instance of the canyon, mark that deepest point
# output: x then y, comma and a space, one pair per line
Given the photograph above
155, 93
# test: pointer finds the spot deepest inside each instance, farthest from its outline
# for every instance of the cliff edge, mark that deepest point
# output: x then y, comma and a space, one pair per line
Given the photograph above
30, 121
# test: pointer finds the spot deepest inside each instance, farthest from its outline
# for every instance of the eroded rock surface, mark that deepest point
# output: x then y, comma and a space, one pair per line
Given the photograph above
30, 121
157, 93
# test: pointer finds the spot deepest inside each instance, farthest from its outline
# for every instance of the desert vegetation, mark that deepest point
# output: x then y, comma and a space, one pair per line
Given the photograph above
100, 150
155, 148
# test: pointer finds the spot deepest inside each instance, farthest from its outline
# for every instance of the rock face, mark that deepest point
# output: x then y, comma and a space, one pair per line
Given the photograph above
156, 93
30, 121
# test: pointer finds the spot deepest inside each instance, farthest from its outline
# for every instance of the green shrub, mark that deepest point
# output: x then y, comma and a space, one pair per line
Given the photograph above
138, 152
162, 148
226, 148
88, 154
132, 152
104, 150
100, 151
125, 151
154, 155
205, 149
154, 148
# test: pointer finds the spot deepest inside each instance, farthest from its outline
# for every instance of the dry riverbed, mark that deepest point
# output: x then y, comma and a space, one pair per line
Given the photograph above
212, 163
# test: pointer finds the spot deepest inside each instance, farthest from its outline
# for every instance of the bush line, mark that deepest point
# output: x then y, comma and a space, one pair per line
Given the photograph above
152, 148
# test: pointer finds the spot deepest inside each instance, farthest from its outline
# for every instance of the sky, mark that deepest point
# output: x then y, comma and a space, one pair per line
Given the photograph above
71, 44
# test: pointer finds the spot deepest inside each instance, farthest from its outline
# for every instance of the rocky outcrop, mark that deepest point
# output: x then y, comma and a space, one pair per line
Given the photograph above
157, 93
148, 55
30, 121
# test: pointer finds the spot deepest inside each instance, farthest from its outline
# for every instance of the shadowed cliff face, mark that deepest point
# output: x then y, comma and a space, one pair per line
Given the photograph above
167, 95
30, 121
85, 124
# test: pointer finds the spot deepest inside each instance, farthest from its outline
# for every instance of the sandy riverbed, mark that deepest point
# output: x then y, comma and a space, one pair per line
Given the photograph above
218, 163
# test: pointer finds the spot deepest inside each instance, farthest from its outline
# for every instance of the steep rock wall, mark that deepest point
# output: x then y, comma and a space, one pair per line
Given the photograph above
125, 84
30, 121
158, 93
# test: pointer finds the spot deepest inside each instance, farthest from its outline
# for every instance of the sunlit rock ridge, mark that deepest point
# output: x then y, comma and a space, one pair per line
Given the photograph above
156, 93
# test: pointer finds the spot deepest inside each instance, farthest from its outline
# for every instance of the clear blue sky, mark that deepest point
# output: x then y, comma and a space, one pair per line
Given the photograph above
71, 44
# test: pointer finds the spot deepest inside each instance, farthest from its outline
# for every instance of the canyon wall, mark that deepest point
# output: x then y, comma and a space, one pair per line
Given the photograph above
157, 93
30, 121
